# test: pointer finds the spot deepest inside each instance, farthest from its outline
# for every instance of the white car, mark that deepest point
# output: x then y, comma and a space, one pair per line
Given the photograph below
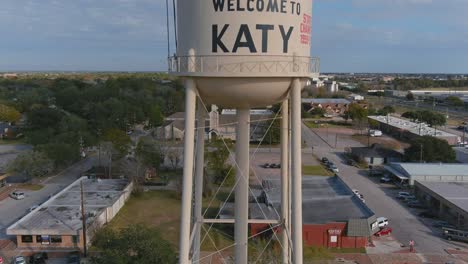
375, 133
17, 195
19, 260
382, 222
355, 191
403, 195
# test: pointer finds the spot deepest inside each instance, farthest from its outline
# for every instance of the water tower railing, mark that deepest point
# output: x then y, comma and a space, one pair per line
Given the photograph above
248, 65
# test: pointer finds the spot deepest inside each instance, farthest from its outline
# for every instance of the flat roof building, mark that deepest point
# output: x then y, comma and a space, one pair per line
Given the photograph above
332, 215
449, 200
429, 172
406, 129
57, 223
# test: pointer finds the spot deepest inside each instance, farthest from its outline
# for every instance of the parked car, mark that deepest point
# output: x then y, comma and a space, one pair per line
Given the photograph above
403, 195
266, 165
275, 166
355, 191
17, 195
325, 160
32, 208
353, 163
375, 133
333, 168
427, 214
416, 204
73, 258
455, 234
384, 231
382, 222
385, 179
19, 260
443, 224
39, 258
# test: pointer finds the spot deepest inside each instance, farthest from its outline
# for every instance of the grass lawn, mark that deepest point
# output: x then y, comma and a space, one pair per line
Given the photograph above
12, 141
161, 209
30, 186
312, 124
386, 142
317, 170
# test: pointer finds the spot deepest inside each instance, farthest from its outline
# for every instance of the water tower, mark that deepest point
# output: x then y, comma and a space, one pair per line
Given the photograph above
243, 54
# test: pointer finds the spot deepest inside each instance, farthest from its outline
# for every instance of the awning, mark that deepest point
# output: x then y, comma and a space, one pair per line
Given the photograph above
4, 176
396, 172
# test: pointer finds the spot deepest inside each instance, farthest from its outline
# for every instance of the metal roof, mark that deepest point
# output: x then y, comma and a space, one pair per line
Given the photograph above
431, 169
325, 101
455, 193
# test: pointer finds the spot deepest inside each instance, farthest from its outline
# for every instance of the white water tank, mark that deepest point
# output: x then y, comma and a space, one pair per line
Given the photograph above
244, 53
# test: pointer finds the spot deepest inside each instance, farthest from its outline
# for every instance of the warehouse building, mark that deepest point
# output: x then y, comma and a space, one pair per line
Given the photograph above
448, 200
405, 129
408, 173
333, 216
57, 224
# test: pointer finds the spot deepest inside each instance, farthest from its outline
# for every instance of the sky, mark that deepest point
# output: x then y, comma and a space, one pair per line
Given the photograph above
408, 36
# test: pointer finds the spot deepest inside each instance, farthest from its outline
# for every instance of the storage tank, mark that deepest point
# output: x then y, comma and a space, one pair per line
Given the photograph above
224, 43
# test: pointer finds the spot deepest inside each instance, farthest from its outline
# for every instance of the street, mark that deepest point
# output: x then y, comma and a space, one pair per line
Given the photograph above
381, 198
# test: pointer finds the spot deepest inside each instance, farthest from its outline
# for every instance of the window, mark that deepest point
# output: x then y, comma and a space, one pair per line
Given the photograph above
43, 239
26, 239
56, 239
76, 239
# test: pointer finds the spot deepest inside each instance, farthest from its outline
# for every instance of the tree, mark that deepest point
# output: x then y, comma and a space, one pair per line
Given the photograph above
455, 101
273, 135
9, 114
133, 244
150, 153
31, 164
410, 115
155, 116
119, 139
433, 150
386, 110
216, 155
410, 96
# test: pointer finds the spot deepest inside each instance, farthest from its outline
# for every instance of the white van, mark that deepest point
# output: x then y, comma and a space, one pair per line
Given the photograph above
375, 133
17, 195
382, 222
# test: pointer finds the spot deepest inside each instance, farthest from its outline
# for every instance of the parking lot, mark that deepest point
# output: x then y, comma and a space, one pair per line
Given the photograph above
381, 198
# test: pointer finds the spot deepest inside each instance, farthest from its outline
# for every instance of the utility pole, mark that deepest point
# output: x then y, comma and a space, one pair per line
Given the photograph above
421, 154
83, 217
99, 147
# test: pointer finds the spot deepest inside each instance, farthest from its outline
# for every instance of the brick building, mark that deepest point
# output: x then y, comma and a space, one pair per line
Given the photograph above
57, 225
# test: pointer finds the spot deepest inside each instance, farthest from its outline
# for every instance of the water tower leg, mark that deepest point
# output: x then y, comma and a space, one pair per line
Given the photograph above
242, 189
296, 157
285, 180
185, 222
199, 169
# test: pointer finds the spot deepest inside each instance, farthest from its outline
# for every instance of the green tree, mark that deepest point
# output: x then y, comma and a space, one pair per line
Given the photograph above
133, 244
455, 101
31, 164
386, 110
433, 150
9, 114
273, 135
216, 155
119, 139
155, 117
150, 152
410, 97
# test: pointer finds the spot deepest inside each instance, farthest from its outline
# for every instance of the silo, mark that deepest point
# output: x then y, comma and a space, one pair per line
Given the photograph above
242, 54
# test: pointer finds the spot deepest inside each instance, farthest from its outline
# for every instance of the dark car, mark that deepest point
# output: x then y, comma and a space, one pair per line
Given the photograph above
351, 162
443, 224
275, 166
416, 204
325, 160
427, 214
266, 165
73, 258
38, 258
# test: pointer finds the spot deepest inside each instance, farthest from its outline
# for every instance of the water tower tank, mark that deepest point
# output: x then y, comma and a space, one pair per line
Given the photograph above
243, 53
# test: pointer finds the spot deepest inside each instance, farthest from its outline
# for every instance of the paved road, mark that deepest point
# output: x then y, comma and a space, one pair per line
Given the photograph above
380, 199
12, 210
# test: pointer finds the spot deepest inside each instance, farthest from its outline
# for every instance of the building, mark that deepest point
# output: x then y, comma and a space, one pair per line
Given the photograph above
356, 97
376, 155
57, 223
332, 86
218, 124
330, 105
405, 129
333, 216
428, 172
448, 200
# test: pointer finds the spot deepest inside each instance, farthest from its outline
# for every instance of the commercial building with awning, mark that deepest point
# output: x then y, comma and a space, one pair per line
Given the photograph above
428, 172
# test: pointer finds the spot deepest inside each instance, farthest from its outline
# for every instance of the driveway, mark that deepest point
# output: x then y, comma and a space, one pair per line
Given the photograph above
380, 198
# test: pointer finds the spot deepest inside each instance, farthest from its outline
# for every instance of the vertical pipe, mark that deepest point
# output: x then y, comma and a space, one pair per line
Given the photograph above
242, 188
284, 179
296, 172
185, 221
199, 169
